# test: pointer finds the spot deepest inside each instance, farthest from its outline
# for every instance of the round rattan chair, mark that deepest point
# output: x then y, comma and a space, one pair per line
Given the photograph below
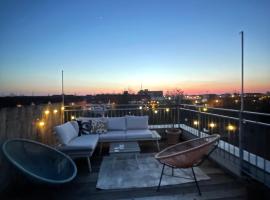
187, 154
39, 162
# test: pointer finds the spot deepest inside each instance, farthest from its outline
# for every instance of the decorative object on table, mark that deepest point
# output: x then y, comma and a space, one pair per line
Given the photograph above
39, 162
187, 154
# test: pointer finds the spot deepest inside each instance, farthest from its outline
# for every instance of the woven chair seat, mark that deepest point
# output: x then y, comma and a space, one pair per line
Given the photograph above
187, 154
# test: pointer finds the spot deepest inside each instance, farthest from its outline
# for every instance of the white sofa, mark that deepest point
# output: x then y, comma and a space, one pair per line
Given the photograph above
72, 144
119, 129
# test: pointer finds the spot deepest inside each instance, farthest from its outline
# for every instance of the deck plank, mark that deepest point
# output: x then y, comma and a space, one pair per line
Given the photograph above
221, 186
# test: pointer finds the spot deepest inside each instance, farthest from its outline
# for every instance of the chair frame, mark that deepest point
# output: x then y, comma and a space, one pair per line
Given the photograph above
192, 168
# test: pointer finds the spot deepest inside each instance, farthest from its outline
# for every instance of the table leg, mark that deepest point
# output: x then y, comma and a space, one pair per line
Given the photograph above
158, 146
89, 164
136, 158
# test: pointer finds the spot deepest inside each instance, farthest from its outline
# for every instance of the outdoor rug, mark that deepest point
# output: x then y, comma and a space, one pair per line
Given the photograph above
125, 172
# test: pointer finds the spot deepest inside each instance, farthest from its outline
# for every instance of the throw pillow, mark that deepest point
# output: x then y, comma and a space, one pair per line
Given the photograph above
84, 127
80, 127
99, 125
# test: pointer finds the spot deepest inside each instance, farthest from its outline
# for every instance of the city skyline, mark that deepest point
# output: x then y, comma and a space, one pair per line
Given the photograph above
111, 46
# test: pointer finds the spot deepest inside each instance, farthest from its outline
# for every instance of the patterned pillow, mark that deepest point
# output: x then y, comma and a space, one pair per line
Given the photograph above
84, 127
99, 125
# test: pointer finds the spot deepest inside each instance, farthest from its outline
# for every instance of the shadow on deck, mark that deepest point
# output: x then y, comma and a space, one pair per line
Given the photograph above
220, 186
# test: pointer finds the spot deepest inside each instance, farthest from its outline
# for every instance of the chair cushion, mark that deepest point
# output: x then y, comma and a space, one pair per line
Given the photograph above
117, 123
137, 122
138, 134
84, 142
113, 136
65, 132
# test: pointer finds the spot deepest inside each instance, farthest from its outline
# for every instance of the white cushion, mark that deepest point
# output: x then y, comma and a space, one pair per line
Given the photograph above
117, 123
84, 142
112, 136
65, 132
138, 134
75, 125
137, 122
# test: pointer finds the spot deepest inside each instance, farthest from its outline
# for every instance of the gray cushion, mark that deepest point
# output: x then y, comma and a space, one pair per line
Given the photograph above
116, 123
138, 134
65, 132
112, 136
137, 122
84, 142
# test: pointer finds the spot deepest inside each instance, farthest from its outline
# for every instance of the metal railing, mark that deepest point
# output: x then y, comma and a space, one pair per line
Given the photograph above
199, 121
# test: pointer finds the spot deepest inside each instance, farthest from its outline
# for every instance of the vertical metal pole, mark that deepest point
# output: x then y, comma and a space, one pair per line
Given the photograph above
63, 98
242, 104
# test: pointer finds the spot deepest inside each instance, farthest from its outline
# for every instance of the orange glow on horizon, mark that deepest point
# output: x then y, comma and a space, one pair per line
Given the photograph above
189, 88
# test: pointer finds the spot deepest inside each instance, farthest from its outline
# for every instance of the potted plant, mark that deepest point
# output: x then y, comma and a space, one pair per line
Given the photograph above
173, 133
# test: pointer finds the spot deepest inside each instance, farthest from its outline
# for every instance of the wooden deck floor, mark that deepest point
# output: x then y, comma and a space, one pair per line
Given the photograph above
220, 186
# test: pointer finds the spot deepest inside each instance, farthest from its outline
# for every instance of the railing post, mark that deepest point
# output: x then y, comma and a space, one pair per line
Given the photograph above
177, 107
241, 141
199, 122
242, 105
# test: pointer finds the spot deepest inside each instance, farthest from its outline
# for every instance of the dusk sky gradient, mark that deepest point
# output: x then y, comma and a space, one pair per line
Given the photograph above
114, 45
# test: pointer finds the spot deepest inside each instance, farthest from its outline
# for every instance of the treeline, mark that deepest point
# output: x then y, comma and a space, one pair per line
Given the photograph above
36, 100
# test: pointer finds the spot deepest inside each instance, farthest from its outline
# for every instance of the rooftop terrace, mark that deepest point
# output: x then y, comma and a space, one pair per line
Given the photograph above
236, 171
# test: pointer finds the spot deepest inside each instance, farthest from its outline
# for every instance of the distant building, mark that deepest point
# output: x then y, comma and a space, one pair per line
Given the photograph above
151, 94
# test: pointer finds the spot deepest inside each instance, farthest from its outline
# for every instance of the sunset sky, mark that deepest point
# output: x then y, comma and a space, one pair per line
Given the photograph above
115, 45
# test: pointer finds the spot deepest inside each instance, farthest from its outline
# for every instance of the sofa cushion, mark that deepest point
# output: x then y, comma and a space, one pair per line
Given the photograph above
84, 141
99, 125
137, 122
138, 134
75, 125
112, 136
117, 123
65, 132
